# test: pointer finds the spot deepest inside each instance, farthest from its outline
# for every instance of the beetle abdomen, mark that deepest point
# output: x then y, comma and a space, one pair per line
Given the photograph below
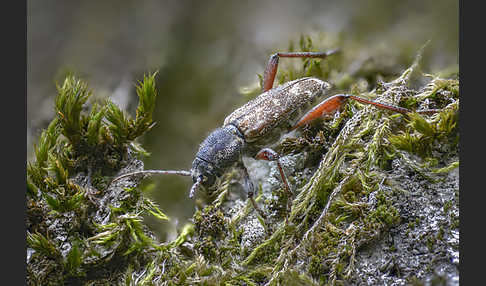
274, 110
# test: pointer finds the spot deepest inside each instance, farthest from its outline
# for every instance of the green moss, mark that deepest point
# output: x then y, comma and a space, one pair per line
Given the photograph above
431, 241
440, 233
43, 245
385, 212
421, 133
208, 249
209, 225
324, 247
447, 206
412, 225
99, 181
209, 222
455, 220
278, 204
79, 145
264, 248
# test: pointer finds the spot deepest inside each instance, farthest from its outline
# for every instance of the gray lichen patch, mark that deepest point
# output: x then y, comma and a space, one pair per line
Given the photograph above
253, 234
425, 244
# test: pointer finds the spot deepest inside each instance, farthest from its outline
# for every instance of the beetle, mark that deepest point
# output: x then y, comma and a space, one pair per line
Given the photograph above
252, 128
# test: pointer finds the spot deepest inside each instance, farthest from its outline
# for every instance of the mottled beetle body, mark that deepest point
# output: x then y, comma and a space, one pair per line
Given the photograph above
264, 119
260, 123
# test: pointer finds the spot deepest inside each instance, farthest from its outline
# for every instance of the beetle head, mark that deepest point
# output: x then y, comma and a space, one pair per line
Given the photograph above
203, 175
218, 152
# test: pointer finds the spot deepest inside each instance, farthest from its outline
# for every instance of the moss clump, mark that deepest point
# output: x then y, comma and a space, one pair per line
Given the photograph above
324, 247
209, 222
208, 249
210, 225
421, 136
351, 223
385, 213
79, 227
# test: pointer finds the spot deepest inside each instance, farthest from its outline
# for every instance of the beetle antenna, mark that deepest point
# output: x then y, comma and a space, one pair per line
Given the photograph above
194, 187
151, 172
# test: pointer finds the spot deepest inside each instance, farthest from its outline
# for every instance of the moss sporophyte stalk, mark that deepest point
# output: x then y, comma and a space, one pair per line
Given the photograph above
364, 181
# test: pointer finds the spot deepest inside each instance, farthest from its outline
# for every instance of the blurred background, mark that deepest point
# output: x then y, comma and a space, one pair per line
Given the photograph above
206, 52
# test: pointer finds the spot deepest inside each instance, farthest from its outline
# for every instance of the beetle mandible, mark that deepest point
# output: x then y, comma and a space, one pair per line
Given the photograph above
252, 128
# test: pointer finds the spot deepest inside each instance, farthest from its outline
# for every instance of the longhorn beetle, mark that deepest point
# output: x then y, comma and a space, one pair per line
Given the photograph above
250, 129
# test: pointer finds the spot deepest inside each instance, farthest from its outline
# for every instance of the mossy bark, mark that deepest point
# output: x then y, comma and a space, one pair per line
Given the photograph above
375, 196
